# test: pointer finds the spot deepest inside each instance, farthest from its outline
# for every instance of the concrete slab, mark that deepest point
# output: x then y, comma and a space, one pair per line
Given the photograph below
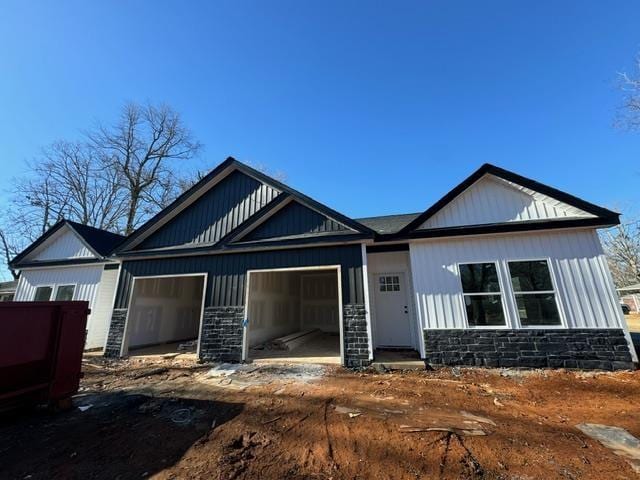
322, 349
397, 360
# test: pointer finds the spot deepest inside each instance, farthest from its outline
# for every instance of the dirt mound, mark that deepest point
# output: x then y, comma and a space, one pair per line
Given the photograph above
169, 420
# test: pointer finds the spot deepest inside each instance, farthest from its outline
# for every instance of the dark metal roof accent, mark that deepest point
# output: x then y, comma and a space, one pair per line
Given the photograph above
61, 263
214, 214
304, 238
100, 242
508, 227
257, 218
388, 247
388, 224
232, 163
249, 247
294, 219
605, 215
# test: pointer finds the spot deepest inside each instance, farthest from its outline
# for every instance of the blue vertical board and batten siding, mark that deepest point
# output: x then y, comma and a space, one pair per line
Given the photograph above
227, 272
294, 219
216, 213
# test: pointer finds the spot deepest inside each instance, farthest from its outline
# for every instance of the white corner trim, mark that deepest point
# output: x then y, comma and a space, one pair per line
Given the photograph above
367, 302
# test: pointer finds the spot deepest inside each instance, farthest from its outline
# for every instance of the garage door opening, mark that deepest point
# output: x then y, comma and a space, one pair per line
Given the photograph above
164, 315
294, 316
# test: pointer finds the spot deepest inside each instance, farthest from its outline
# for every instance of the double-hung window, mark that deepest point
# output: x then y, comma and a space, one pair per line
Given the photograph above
535, 296
482, 295
64, 293
43, 293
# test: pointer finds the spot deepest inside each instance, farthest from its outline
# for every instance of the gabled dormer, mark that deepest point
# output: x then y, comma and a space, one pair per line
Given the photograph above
70, 243
495, 200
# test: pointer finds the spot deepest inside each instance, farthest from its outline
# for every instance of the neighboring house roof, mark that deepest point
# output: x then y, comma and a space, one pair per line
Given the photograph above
388, 224
100, 242
591, 215
8, 287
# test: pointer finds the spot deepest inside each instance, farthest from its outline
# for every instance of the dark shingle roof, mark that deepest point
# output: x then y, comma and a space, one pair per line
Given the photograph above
388, 223
101, 241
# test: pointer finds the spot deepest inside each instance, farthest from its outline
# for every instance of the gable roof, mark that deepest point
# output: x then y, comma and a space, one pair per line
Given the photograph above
209, 181
100, 242
388, 224
598, 216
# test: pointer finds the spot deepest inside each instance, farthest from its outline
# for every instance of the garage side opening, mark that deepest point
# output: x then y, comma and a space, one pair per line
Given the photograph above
164, 315
294, 316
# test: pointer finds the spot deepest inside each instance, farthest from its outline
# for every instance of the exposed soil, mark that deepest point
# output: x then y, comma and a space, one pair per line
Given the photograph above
170, 419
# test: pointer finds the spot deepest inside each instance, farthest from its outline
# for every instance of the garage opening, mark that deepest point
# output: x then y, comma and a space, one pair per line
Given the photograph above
294, 316
164, 315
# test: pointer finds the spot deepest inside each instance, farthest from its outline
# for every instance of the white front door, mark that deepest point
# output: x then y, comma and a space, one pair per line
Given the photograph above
393, 325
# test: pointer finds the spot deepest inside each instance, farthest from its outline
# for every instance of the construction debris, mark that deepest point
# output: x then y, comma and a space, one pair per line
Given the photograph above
291, 341
188, 346
617, 439
457, 431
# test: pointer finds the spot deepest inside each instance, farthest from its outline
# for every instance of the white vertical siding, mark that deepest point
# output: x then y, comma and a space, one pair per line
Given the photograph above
101, 312
585, 293
86, 279
63, 245
494, 200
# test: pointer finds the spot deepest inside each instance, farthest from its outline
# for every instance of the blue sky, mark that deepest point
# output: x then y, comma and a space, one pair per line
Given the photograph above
370, 107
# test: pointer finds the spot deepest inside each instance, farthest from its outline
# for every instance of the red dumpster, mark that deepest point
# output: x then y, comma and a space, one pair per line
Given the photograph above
41, 345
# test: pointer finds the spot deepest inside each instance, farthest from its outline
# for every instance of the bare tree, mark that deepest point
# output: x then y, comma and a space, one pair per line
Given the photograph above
628, 115
8, 250
92, 191
622, 243
114, 178
143, 147
622, 247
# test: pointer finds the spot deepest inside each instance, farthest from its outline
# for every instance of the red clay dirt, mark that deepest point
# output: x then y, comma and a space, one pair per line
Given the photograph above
168, 419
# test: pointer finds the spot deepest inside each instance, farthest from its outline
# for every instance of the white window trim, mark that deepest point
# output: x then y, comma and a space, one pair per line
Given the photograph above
35, 291
507, 323
58, 285
563, 321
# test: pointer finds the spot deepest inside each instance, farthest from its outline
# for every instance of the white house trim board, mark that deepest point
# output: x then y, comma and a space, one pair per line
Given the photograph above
100, 319
367, 300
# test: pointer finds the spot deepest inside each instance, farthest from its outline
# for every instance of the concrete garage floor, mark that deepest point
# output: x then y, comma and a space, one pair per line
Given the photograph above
163, 350
323, 349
